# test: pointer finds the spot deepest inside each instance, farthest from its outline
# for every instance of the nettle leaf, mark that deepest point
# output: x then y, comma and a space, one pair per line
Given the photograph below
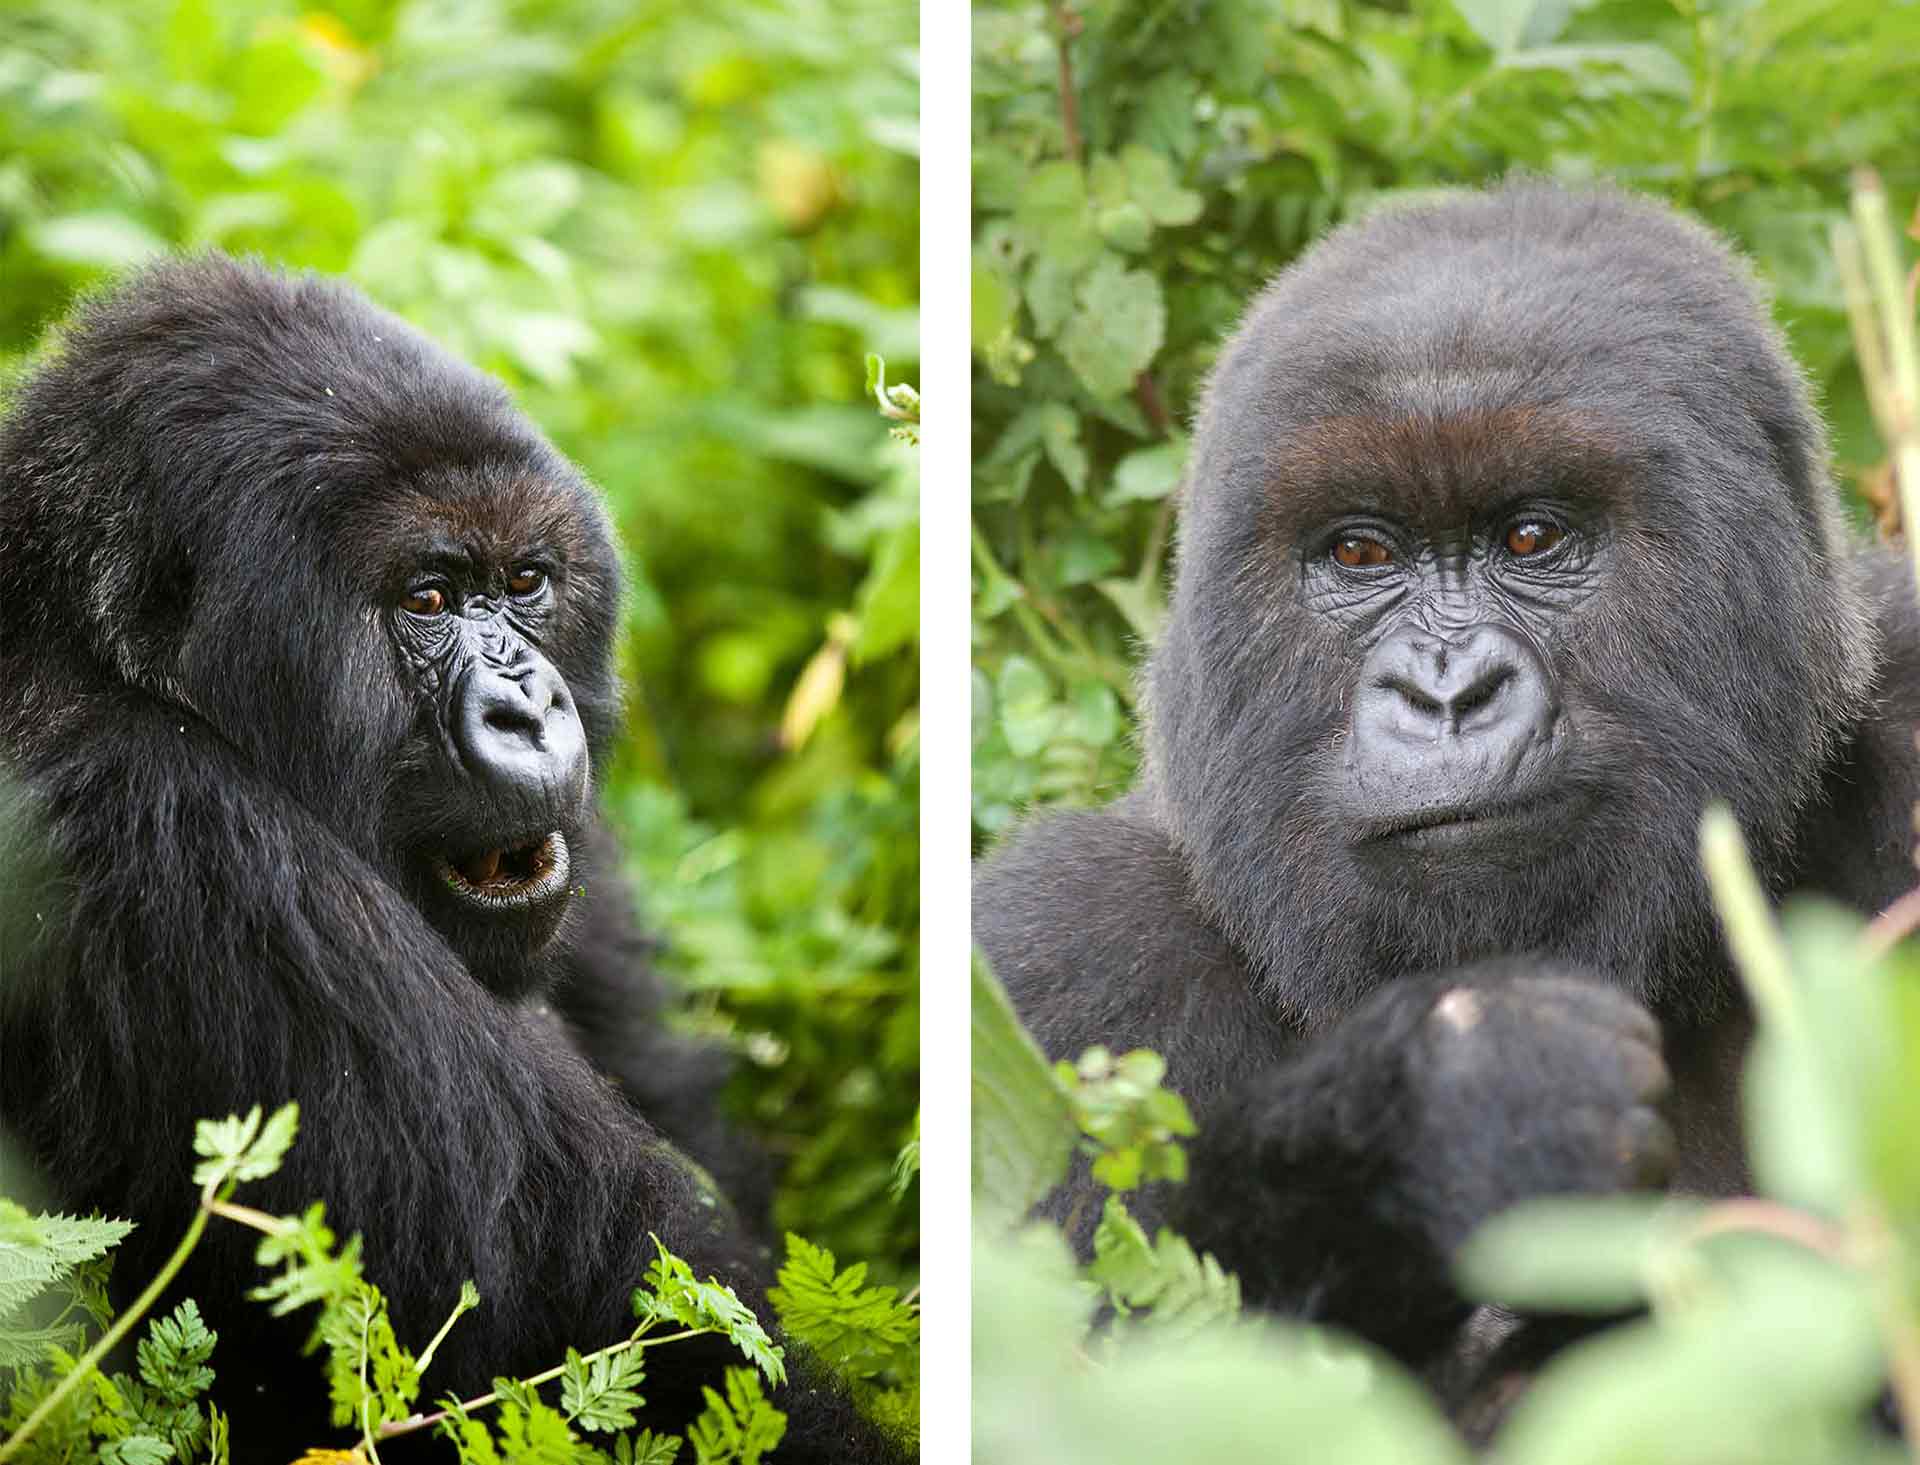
1120, 323
38, 1251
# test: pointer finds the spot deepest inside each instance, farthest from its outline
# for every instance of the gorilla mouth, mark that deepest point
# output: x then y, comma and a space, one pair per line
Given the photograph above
509, 877
1459, 821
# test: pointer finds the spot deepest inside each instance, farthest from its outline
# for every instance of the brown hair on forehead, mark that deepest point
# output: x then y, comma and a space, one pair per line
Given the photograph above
492, 516
1441, 467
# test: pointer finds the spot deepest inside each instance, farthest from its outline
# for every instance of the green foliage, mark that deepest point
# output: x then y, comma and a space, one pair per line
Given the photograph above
867, 1337
738, 1428
50, 1262
1772, 1322
1162, 1281
61, 1410
243, 1149
1028, 1116
672, 1291
1124, 222
676, 232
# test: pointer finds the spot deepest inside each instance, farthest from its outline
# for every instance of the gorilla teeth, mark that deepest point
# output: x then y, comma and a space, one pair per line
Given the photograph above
503, 870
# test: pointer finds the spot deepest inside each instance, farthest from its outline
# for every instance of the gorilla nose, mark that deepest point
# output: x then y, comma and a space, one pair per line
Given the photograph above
1443, 721
520, 735
1475, 685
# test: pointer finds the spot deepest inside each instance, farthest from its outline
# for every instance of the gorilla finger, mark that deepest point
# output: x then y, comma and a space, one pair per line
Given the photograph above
1599, 1002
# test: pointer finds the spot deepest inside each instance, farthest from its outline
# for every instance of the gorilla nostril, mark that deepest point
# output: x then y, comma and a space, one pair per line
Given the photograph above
1418, 699
511, 720
1481, 692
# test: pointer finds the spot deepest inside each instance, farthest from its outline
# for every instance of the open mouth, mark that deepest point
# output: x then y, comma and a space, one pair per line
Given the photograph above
509, 876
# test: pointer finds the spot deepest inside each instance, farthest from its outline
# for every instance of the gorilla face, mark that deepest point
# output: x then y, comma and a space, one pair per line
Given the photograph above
413, 641
496, 735
1508, 547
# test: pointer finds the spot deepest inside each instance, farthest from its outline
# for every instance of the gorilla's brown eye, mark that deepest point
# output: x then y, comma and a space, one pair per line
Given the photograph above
526, 580
428, 600
1532, 536
1357, 552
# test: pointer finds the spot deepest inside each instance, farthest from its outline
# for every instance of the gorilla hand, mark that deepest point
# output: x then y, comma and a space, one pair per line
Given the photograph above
1435, 1104
1519, 1086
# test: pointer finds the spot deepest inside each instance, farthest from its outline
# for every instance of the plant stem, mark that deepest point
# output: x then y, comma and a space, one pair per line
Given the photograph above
1752, 934
415, 1422
1066, 24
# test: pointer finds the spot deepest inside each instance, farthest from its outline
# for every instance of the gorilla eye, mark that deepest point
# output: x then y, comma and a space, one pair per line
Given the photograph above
526, 580
1532, 537
1358, 552
428, 600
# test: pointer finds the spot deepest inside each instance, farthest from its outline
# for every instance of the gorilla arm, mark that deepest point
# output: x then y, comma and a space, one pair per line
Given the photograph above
1334, 1173
200, 945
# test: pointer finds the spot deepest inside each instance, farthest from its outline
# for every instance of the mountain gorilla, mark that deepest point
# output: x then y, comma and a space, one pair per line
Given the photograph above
307, 640
1508, 545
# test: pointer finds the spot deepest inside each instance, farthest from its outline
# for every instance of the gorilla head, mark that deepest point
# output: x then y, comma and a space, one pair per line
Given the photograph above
1509, 544
422, 661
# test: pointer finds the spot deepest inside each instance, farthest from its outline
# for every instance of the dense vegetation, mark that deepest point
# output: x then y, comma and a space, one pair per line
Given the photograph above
1139, 170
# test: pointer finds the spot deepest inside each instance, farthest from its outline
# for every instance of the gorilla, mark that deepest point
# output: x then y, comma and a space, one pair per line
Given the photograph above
1508, 544
308, 639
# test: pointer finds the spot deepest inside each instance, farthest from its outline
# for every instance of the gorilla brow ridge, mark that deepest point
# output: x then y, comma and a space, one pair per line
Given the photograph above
1435, 467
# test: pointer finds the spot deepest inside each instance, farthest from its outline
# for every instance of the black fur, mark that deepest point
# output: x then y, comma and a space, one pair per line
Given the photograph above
1388, 1036
219, 769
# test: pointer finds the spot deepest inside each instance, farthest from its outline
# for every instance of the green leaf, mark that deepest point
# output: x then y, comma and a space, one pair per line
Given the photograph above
102, 241
1177, 1289
857, 1330
1507, 25
1592, 1254
1152, 185
888, 600
673, 1291
1029, 715
173, 1356
1149, 474
741, 1428
1023, 1127
602, 1395
242, 1148
1118, 324
37, 1251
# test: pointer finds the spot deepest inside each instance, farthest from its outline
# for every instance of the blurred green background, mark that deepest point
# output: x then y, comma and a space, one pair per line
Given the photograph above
675, 231
1208, 141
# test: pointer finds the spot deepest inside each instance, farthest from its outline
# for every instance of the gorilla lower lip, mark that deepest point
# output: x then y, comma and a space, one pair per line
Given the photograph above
510, 875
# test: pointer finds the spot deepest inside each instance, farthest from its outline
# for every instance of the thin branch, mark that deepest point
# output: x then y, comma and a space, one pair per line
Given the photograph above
1066, 26
416, 1422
